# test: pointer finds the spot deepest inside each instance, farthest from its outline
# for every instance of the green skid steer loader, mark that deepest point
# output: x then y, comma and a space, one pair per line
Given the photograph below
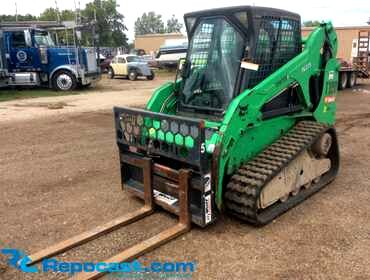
246, 128
250, 115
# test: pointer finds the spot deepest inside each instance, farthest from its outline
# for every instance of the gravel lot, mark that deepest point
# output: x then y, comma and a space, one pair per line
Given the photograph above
104, 96
59, 176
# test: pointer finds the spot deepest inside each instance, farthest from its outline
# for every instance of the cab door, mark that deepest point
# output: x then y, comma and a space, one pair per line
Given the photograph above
122, 66
115, 66
22, 56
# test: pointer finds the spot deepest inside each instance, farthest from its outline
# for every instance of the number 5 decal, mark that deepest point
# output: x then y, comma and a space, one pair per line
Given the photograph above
203, 148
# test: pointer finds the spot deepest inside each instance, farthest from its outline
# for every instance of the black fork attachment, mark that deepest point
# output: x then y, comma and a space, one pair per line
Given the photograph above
141, 248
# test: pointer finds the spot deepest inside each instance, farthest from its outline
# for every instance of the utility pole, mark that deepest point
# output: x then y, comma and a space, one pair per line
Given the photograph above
79, 13
16, 11
76, 13
57, 11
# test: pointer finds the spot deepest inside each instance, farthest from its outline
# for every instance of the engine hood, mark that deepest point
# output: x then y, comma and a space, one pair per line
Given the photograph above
65, 55
84, 57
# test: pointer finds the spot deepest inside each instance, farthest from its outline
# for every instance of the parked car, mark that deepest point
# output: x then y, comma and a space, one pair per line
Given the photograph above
150, 60
168, 56
130, 66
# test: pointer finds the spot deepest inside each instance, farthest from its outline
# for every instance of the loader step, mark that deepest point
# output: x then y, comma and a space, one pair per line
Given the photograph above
141, 248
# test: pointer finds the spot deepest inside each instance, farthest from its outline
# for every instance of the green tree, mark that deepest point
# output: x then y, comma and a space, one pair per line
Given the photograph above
26, 17
311, 23
173, 25
130, 47
51, 14
109, 25
149, 23
67, 15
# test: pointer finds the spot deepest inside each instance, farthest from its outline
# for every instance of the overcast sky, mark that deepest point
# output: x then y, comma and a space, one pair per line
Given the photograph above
342, 13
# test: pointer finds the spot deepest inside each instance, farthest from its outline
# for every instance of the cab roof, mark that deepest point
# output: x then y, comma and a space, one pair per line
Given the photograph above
256, 11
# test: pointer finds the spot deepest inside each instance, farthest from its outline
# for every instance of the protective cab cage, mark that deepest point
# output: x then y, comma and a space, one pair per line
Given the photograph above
272, 37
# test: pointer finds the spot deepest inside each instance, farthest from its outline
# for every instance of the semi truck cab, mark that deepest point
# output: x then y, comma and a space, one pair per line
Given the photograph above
3, 70
33, 59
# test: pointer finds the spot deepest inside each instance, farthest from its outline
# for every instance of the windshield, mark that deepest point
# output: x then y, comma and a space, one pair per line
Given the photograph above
133, 59
215, 52
43, 39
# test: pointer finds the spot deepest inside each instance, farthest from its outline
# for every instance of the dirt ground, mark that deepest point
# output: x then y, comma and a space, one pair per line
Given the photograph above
59, 176
106, 94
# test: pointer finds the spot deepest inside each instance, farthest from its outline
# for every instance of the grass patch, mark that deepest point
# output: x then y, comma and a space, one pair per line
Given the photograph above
8, 94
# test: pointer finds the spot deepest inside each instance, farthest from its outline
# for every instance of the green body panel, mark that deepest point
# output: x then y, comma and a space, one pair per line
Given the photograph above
261, 133
163, 99
326, 111
242, 133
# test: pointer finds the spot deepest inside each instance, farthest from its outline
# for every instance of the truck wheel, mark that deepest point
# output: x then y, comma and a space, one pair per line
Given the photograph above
132, 75
343, 78
110, 73
64, 81
351, 79
151, 76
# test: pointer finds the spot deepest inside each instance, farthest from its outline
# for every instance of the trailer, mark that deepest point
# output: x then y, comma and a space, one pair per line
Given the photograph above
359, 66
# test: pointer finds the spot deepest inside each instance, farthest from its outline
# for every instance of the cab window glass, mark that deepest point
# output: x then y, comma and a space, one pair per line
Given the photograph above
43, 39
18, 40
214, 56
278, 41
133, 59
121, 60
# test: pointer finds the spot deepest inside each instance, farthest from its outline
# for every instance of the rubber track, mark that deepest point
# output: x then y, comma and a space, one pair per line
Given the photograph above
245, 186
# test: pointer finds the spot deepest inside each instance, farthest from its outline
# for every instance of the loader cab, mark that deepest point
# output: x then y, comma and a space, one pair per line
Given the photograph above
233, 49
